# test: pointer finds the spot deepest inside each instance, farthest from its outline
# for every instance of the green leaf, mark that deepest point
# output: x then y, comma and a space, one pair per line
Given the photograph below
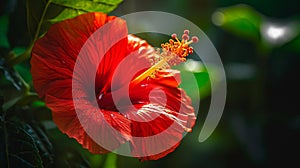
203, 81
77, 7
17, 146
23, 140
19, 50
38, 104
41, 14
65, 14
241, 20
42, 142
194, 79
88, 5
24, 70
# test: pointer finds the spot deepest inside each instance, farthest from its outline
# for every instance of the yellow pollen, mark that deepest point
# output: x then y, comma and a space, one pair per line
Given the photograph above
172, 53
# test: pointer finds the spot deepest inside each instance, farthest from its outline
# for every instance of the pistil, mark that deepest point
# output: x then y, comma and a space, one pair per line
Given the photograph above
173, 53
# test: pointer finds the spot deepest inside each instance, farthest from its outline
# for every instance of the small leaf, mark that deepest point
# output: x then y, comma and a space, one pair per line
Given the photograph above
38, 104
17, 147
88, 5
203, 81
241, 20
19, 50
44, 13
24, 70
195, 79
66, 14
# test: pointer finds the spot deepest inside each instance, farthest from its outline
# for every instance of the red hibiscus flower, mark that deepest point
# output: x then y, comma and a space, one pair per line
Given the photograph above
107, 88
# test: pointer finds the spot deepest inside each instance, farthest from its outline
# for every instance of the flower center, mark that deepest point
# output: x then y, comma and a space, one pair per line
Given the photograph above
172, 53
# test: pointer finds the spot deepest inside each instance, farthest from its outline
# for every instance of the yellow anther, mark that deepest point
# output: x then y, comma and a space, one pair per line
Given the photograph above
172, 53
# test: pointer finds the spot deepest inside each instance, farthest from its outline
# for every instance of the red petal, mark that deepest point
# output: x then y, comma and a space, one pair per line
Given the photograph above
97, 123
136, 60
54, 55
53, 61
165, 114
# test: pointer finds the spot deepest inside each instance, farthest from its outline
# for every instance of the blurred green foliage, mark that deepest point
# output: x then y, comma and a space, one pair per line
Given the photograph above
265, 32
241, 20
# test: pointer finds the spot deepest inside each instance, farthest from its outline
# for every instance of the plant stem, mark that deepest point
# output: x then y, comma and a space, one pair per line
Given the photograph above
111, 161
18, 59
27, 53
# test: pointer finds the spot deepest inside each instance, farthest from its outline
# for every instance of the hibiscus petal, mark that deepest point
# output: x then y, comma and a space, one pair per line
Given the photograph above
136, 61
53, 61
160, 117
54, 55
98, 125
